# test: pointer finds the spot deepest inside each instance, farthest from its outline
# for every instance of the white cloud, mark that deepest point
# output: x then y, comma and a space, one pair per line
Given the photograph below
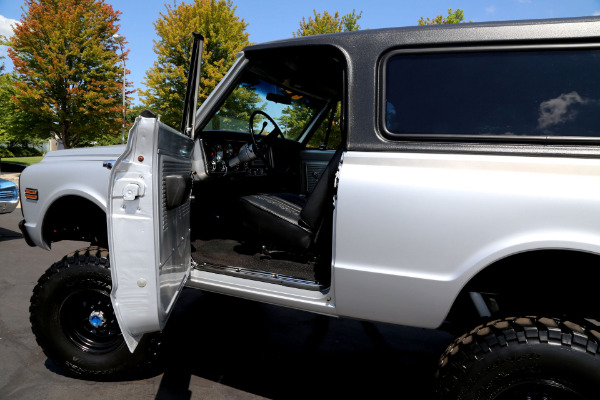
7, 31
556, 111
5, 26
491, 9
596, 13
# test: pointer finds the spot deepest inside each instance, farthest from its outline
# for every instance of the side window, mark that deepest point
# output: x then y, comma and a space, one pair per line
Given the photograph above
512, 94
328, 134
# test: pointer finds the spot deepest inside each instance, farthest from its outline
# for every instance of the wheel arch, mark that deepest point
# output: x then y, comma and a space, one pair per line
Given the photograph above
556, 282
75, 217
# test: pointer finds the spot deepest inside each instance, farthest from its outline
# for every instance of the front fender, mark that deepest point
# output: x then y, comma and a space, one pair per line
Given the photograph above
54, 180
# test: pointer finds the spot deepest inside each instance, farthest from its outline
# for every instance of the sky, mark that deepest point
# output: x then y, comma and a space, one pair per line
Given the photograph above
277, 19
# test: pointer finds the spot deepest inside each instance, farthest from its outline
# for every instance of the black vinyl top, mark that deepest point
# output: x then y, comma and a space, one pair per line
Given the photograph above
363, 51
475, 32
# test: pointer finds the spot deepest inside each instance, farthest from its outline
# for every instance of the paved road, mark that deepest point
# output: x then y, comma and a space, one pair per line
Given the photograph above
220, 347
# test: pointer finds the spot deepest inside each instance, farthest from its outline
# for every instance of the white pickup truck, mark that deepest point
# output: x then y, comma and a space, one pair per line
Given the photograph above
442, 177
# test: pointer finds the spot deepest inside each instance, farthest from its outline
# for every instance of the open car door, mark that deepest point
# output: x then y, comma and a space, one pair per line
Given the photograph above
149, 217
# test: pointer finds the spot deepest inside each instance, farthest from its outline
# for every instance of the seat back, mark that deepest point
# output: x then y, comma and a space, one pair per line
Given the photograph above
313, 211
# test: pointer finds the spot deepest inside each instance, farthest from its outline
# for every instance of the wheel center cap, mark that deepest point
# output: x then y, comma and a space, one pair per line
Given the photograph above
97, 318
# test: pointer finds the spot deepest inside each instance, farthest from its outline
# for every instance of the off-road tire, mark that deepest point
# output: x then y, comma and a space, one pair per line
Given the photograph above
62, 301
523, 358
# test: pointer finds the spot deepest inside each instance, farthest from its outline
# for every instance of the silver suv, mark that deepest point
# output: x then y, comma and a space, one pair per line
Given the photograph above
442, 177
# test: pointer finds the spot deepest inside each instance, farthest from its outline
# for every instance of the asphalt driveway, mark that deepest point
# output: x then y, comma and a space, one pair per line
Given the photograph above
219, 347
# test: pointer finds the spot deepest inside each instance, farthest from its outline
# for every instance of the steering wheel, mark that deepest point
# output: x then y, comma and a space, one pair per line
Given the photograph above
261, 146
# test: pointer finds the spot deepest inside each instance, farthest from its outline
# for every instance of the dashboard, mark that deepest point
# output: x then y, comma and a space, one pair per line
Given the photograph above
219, 150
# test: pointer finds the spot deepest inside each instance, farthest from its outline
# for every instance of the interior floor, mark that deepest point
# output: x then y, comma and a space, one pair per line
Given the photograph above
229, 252
250, 261
221, 245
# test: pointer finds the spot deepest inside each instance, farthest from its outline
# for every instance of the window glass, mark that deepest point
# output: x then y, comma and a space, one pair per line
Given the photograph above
525, 93
328, 134
291, 111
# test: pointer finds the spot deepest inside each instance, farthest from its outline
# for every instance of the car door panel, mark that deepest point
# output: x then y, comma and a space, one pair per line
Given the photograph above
148, 235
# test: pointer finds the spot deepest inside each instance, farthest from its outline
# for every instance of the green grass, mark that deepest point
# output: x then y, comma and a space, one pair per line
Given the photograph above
23, 160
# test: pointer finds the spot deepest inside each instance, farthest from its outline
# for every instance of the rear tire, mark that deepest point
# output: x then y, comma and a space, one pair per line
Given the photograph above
73, 321
523, 358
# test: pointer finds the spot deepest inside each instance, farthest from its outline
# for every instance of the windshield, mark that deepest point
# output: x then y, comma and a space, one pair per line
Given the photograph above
292, 111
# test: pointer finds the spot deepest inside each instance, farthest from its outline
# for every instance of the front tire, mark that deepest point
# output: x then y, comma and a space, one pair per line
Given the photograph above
523, 358
74, 323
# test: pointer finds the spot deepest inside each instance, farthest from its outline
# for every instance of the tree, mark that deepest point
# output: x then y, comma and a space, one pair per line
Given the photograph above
3, 42
14, 123
5, 97
70, 80
224, 36
327, 23
454, 17
7, 107
133, 112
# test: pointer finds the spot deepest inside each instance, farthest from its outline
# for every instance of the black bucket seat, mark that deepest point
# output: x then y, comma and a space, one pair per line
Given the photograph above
291, 221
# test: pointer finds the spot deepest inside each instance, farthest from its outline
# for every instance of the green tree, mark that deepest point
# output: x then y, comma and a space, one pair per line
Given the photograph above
70, 80
6, 86
237, 108
327, 23
3, 42
15, 124
132, 113
454, 17
10, 116
224, 36
7, 107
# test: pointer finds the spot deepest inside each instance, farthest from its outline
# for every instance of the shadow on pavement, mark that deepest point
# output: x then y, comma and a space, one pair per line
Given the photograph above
7, 234
282, 353
279, 353
11, 167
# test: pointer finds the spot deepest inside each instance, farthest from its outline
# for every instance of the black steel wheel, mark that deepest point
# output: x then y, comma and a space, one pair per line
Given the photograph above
74, 323
88, 320
526, 358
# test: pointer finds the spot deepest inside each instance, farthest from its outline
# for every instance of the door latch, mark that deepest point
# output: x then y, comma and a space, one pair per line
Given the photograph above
131, 191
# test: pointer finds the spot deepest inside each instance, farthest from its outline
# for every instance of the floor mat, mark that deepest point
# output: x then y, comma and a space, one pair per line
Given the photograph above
232, 253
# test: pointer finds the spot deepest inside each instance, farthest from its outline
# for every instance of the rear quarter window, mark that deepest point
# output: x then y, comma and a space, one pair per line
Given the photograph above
502, 94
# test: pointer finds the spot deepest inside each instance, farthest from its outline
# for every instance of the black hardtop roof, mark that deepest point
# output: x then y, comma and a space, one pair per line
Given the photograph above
579, 28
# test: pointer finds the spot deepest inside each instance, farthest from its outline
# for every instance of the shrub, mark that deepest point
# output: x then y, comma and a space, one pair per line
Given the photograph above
25, 152
4, 152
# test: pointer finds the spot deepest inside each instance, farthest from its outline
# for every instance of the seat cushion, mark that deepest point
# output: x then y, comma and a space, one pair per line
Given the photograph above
275, 217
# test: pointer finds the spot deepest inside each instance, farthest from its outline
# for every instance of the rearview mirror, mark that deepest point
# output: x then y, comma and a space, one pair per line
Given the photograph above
279, 98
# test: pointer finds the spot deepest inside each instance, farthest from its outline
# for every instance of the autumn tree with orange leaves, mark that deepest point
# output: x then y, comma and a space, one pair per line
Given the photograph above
70, 73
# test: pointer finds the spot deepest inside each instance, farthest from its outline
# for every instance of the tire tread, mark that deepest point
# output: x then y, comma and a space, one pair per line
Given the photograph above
98, 256
490, 336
